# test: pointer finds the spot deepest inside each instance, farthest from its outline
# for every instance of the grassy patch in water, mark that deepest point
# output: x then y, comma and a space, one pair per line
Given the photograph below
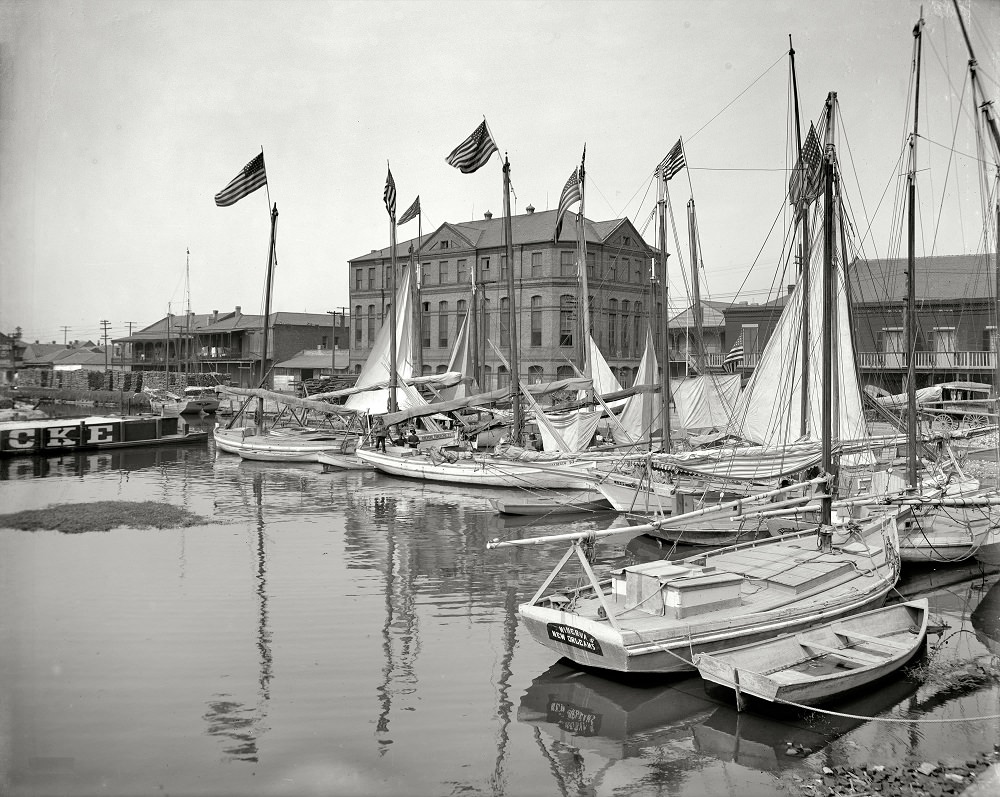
101, 516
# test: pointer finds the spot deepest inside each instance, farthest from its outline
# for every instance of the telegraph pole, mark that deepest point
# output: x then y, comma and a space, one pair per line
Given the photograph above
104, 334
65, 330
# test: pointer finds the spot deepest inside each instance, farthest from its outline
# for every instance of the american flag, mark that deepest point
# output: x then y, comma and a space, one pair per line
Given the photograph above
804, 183
250, 178
472, 154
570, 194
390, 195
674, 161
735, 356
411, 213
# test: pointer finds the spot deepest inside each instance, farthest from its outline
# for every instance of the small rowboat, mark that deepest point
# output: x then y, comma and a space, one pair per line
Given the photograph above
824, 662
552, 504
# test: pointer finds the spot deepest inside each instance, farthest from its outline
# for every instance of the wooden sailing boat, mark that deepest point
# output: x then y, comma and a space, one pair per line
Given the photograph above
656, 616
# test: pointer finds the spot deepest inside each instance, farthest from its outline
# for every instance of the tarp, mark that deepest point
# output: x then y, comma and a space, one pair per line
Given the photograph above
705, 402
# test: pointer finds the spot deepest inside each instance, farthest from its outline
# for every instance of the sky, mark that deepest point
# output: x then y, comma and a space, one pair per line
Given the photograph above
120, 121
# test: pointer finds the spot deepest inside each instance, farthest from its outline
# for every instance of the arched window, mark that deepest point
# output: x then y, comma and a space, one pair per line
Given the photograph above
536, 321
441, 369
637, 319
503, 377
567, 304
535, 375
488, 377
565, 372
425, 325
371, 324
486, 320
357, 324
443, 325
625, 327
426, 370
612, 326
504, 322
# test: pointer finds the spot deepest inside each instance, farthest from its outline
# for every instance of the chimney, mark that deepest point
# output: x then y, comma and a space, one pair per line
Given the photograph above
488, 215
530, 209
215, 316
239, 310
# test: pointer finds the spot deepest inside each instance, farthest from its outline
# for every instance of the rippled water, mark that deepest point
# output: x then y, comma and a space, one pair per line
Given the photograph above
350, 634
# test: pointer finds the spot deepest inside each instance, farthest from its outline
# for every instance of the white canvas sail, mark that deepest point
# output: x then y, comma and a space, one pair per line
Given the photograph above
376, 367
769, 411
643, 409
705, 402
461, 362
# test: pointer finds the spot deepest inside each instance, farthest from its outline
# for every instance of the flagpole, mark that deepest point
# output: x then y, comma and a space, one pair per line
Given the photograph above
267, 188
515, 387
664, 321
415, 278
393, 406
268, 282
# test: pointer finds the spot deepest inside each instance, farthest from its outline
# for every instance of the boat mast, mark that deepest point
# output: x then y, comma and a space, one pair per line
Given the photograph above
581, 237
167, 364
802, 215
393, 407
515, 382
991, 125
664, 316
417, 344
699, 321
268, 284
911, 298
829, 283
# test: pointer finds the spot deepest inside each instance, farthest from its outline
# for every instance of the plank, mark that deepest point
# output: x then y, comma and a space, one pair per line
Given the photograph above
845, 653
877, 640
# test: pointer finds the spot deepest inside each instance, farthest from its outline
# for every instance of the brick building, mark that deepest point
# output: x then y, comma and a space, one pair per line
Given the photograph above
459, 254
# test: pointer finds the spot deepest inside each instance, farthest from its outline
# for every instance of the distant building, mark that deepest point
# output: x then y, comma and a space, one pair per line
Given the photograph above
459, 255
11, 357
228, 343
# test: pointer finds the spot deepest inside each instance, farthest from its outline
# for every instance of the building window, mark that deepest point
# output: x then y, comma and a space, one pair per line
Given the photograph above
536, 320
357, 324
484, 269
566, 319
638, 271
564, 372
504, 321
637, 319
325, 346
567, 264
625, 308
387, 277
613, 269
425, 270
462, 272
460, 312
443, 272
503, 377
626, 241
358, 279
443, 325
591, 266
443, 245
536, 264
535, 375
503, 266
626, 269
371, 278
612, 325
371, 324
487, 332
425, 326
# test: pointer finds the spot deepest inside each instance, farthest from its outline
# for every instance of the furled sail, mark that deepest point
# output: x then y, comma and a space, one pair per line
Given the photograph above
376, 367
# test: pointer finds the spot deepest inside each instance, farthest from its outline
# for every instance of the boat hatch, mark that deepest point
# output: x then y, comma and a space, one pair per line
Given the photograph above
678, 592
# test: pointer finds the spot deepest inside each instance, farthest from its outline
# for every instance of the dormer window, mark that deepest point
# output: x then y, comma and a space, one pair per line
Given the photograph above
626, 240
443, 245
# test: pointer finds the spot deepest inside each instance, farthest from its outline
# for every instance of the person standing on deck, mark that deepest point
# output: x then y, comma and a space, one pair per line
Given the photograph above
380, 434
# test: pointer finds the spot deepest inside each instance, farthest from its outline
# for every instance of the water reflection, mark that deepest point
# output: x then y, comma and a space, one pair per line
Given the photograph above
985, 620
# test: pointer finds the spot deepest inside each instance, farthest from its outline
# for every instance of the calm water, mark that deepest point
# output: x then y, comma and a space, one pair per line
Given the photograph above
350, 634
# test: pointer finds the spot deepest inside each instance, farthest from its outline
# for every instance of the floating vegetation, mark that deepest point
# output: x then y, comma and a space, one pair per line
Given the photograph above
956, 674
101, 516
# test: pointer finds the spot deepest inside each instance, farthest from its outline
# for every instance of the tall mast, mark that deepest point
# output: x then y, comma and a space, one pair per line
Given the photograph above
829, 283
393, 406
991, 125
699, 322
911, 299
167, 365
515, 383
802, 215
664, 317
268, 285
581, 234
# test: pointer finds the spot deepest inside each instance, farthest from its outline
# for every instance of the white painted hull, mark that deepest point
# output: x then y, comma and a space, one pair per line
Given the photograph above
276, 447
481, 470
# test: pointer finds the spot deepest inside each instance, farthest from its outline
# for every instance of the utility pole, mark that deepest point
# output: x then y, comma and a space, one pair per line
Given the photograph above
131, 348
65, 330
104, 334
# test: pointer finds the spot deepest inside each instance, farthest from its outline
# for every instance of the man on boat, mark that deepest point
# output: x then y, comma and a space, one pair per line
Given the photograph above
380, 434
411, 439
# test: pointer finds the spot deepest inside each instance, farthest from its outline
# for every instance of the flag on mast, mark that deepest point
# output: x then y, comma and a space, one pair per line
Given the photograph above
411, 212
472, 154
390, 195
804, 184
251, 177
674, 161
570, 194
735, 356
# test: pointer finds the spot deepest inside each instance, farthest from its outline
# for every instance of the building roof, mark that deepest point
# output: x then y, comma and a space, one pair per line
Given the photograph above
81, 357
537, 227
317, 358
204, 323
938, 278
712, 314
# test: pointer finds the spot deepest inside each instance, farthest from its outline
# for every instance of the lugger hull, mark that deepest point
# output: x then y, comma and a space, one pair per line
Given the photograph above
655, 617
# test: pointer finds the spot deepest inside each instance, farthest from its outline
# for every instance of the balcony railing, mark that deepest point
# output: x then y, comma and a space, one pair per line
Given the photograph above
929, 360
